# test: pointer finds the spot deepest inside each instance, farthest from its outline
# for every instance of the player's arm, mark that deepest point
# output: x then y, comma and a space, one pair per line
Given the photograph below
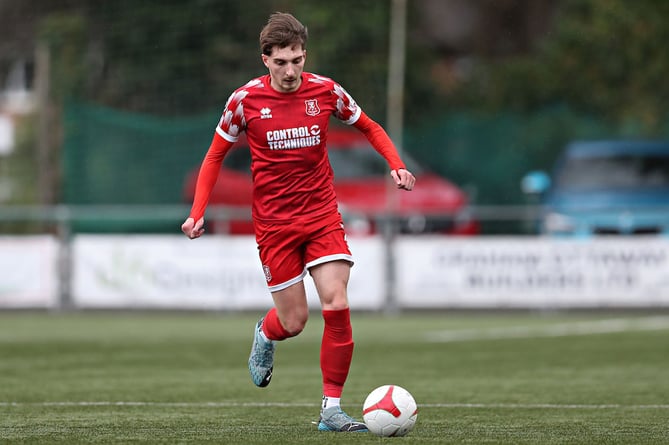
382, 143
193, 227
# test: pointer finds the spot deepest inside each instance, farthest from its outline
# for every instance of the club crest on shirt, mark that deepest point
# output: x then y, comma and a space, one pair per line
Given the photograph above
312, 107
268, 274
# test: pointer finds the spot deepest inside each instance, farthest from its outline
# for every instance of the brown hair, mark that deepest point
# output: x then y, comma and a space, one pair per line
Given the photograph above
282, 30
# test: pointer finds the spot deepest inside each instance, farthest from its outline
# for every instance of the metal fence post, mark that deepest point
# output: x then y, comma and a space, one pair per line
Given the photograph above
389, 231
63, 216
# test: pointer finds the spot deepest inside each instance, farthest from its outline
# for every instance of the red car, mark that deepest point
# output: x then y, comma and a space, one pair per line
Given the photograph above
364, 190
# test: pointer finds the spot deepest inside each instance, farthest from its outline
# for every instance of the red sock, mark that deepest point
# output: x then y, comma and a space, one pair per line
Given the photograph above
272, 328
336, 351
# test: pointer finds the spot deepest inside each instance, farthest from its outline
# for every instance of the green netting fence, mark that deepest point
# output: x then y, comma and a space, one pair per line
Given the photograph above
488, 154
117, 157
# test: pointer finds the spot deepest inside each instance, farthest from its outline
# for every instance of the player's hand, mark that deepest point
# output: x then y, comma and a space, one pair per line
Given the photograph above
403, 178
193, 229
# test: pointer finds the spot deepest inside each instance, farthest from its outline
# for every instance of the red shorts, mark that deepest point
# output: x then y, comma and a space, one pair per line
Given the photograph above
287, 251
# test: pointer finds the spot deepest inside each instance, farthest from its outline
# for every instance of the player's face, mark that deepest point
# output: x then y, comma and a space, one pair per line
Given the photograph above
285, 67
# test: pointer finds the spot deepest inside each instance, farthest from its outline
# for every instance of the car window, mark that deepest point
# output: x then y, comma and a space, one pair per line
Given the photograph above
623, 171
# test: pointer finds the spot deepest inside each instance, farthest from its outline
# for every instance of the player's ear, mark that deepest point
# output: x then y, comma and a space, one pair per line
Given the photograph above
265, 60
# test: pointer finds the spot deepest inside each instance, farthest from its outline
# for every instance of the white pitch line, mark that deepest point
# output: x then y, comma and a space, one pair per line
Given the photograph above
608, 326
310, 405
540, 406
167, 404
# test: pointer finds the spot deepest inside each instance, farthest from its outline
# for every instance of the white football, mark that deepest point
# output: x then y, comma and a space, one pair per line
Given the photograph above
390, 410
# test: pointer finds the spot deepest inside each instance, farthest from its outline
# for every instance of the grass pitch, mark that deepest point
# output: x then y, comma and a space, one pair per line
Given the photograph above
110, 378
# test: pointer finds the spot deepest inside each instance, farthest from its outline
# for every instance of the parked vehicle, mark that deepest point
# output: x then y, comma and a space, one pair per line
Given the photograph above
608, 187
364, 190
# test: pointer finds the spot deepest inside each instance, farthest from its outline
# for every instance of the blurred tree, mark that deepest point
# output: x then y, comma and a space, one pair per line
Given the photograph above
579, 60
60, 72
180, 57
605, 57
175, 56
349, 43
451, 41
65, 35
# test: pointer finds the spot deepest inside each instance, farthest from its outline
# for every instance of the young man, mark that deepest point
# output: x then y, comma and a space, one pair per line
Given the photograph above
297, 224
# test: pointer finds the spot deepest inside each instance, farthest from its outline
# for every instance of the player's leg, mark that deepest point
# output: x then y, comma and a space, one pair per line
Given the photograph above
286, 319
290, 312
331, 279
329, 261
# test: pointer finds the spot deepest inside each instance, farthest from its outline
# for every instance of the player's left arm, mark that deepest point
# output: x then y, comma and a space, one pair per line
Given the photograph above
382, 143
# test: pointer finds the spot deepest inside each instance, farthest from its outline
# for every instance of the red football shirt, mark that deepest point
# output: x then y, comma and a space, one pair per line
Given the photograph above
287, 136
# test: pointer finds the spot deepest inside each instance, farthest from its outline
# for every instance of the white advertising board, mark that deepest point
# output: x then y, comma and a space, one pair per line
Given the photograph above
28, 271
213, 272
532, 272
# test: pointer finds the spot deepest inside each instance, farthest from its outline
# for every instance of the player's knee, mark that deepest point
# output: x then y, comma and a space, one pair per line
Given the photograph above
296, 323
295, 328
336, 306
335, 302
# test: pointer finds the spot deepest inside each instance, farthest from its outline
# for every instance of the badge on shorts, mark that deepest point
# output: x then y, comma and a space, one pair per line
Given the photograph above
312, 107
268, 274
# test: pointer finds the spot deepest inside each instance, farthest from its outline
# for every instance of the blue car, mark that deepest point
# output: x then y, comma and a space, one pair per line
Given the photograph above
617, 187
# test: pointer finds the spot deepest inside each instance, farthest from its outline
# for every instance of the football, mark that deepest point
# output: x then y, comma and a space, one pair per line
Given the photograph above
390, 411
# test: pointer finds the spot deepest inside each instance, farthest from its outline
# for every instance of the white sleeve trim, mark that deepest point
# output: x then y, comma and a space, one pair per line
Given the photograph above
225, 135
353, 119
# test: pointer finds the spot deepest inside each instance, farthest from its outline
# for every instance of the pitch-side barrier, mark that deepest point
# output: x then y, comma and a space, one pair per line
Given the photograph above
56, 268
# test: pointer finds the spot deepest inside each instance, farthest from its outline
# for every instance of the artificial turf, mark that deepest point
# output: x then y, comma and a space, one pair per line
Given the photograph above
173, 378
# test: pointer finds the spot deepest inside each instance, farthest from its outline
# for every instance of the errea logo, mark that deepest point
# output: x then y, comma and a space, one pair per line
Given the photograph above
265, 113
